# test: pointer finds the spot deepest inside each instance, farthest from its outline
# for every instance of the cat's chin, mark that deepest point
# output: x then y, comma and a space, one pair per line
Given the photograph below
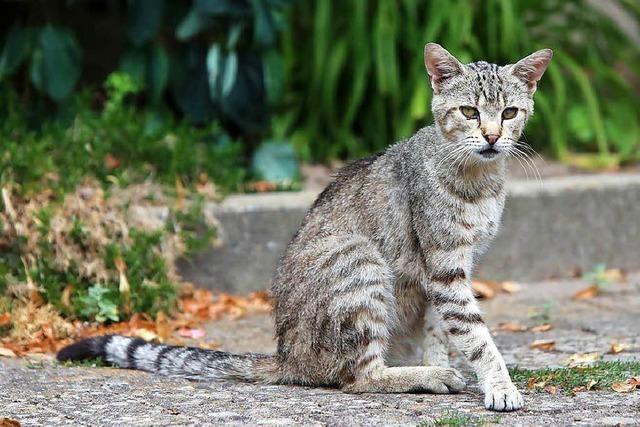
488, 155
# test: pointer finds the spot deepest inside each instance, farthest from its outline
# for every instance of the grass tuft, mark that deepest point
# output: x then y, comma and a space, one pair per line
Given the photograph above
598, 376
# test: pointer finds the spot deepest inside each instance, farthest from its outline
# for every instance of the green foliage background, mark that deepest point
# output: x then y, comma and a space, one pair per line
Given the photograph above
336, 78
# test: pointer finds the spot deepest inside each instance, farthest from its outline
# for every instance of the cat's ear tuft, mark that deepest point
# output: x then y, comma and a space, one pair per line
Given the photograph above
531, 68
440, 64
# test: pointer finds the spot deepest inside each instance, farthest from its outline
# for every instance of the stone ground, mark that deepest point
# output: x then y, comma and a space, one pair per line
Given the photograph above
46, 394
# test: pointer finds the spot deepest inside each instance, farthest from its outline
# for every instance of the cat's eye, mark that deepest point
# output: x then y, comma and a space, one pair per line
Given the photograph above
509, 113
470, 112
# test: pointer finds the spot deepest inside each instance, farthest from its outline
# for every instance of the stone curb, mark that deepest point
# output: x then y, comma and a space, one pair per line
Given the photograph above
554, 228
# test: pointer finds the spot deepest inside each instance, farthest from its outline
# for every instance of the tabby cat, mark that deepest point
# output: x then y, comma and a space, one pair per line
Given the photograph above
376, 282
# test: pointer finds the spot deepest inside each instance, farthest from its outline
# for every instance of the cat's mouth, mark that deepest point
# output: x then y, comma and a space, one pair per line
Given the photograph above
489, 153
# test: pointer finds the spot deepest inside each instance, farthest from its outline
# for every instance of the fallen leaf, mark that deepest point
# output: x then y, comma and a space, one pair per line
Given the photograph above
535, 382
511, 327
541, 328
145, 334
624, 387
8, 422
6, 352
551, 389
5, 319
510, 287
619, 347
111, 162
211, 345
163, 326
587, 293
544, 345
577, 390
192, 333
591, 384
65, 298
483, 289
613, 275
582, 359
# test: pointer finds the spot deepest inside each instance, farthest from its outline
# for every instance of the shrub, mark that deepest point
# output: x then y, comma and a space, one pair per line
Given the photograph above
357, 79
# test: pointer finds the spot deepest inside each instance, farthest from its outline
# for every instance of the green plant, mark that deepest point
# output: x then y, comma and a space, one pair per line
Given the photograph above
456, 418
541, 315
361, 84
598, 376
214, 59
120, 144
99, 303
599, 276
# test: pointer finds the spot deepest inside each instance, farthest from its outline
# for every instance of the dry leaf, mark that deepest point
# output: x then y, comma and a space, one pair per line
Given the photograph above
619, 347
5, 319
111, 162
591, 384
582, 359
145, 334
535, 383
483, 289
65, 298
8, 422
211, 345
192, 333
544, 345
590, 292
541, 328
510, 287
551, 389
577, 390
625, 387
511, 327
6, 352
613, 275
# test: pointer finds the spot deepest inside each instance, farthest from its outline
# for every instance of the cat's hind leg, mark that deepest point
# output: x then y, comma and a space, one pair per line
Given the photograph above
363, 312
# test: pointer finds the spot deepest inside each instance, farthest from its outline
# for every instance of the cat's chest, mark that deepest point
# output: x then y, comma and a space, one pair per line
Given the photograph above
480, 220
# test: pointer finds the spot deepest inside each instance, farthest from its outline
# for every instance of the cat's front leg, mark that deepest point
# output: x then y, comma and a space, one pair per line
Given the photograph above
450, 292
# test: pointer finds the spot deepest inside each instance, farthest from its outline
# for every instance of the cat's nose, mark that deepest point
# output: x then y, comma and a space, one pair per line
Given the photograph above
491, 139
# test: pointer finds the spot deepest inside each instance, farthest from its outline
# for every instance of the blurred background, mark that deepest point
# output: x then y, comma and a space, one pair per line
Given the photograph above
109, 105
256, 86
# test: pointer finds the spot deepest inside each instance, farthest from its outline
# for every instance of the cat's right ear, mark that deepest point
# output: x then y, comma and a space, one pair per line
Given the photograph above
440, 64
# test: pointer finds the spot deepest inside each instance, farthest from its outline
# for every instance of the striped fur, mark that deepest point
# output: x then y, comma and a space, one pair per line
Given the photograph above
376, 282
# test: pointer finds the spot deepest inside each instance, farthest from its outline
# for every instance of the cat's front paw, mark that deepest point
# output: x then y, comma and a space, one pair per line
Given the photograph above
503, 396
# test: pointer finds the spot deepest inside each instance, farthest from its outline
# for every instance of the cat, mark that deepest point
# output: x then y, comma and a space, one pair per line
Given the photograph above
377, 280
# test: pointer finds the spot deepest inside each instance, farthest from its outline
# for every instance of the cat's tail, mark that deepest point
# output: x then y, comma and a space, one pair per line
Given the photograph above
186, 362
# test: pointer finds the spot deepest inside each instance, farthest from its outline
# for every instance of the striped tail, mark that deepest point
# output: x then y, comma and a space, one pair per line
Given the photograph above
187, 362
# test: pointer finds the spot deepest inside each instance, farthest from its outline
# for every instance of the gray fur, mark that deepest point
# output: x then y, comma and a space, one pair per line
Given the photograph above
382, 263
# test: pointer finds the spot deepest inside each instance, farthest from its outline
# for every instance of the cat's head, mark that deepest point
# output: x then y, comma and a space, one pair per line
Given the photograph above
482, 108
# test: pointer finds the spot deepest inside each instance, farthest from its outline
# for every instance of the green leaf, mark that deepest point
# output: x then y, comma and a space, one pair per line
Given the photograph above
223, 7
157, 71
144, 18
580, 123
14, 51
263, 24
275, 161
134, 63
192, 24
246, 104
214, 66
230, 72
190, 84
55, 63
273, 75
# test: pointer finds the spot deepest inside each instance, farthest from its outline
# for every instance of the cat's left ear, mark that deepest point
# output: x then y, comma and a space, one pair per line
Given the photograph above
531, 68
440, 65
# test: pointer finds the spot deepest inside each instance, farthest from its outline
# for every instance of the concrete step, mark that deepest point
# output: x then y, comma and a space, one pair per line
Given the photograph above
552, 229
